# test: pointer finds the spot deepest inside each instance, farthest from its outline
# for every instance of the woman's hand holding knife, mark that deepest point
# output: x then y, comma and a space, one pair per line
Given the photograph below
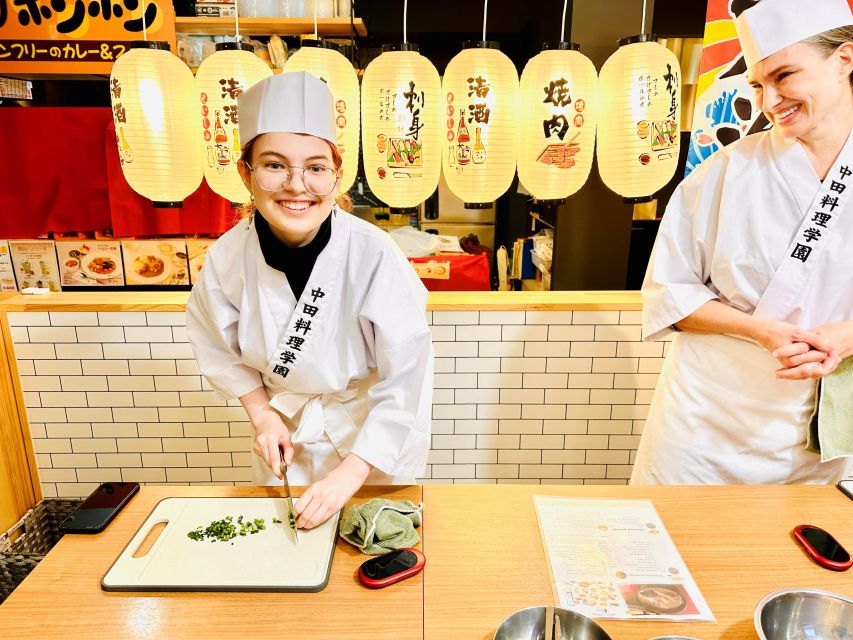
270, 430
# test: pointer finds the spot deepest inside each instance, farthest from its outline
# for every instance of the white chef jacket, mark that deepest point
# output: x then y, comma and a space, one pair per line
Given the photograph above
350, 363
719, 415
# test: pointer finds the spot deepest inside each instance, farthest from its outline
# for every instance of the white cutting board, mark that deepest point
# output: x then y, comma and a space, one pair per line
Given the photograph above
269, 560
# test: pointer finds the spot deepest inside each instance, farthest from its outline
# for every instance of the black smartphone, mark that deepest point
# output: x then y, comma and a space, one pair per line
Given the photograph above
846, 487
822, 547
387, 569
99, 508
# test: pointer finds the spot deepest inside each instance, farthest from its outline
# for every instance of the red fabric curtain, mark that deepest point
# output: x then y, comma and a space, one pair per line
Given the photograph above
62, 174
53, 170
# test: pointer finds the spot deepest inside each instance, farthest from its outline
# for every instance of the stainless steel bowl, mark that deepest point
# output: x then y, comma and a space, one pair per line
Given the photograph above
804, 614
530, 624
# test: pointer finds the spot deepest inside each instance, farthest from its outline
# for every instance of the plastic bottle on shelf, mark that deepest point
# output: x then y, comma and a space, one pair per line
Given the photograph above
344, 8
284, 8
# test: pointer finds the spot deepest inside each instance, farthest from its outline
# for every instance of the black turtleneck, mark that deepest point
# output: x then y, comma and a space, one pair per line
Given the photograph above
294, 262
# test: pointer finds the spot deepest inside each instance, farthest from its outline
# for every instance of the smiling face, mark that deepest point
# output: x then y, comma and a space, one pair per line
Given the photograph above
293, 213
804, 93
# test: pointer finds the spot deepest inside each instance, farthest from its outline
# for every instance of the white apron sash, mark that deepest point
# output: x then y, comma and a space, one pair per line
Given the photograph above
313, 317
826, 219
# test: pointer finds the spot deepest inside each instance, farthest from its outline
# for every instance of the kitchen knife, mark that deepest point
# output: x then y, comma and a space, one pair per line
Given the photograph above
291, 514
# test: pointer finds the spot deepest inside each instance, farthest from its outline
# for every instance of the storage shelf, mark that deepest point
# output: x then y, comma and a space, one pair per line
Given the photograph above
331, 27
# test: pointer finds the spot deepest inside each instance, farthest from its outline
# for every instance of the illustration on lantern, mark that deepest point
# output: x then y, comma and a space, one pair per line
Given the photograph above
561, 155
125, 154
662, 134
220, 139
403, 151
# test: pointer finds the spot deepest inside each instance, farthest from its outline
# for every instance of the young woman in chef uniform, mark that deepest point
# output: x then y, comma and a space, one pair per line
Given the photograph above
753, 268
312, 317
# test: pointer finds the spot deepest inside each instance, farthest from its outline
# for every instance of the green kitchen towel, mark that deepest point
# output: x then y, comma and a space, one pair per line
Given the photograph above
379, 525
831, 428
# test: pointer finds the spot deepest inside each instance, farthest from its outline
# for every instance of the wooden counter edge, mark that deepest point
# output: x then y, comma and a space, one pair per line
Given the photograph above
437, 301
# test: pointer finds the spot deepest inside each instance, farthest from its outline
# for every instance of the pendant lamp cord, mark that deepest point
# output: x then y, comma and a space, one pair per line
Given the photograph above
144, 26
485, 13
405, 13
237, 24
643, 24
315, 18
563, 29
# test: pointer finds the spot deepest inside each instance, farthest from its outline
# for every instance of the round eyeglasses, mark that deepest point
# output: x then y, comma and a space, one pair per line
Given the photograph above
275, 176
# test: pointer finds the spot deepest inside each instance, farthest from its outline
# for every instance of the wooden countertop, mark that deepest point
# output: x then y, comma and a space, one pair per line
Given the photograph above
437, 301
484, 560
62, 597
485, 557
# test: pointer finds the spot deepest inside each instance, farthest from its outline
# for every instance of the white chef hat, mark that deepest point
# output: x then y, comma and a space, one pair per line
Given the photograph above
772, 25
287, 103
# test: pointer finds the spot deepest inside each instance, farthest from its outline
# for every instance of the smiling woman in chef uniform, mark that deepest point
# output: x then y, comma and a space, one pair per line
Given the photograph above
753, 267
311, 317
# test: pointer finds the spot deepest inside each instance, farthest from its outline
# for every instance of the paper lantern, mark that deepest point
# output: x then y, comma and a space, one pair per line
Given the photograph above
638, 131
323, 60
152, 93
480, 90
558, 101
401, 108
220, 78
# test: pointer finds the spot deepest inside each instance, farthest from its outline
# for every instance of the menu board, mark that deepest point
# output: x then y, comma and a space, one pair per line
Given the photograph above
197, 251
90, 263
155, 262
7, 272
35, 264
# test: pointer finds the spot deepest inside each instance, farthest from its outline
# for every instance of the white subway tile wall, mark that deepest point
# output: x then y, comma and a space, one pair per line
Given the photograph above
520, 397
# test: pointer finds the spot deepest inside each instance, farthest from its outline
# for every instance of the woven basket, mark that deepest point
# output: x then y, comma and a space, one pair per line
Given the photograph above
24, 545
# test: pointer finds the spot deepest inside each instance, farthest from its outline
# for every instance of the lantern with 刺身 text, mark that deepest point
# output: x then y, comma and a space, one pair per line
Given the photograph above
558, 101
480, 90
402, 123
220, 78
322, 59
639, 118
152, 94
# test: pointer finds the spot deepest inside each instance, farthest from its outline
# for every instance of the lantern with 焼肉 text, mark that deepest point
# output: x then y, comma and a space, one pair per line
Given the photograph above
557, 129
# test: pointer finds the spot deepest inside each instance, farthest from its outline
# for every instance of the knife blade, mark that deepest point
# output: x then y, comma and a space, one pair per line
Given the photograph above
291, 514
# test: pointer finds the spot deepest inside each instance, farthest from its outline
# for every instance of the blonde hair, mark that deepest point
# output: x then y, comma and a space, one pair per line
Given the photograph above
828, 41
247, 209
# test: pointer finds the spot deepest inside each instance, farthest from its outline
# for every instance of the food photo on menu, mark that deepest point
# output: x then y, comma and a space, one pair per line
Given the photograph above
90, 263
155, 262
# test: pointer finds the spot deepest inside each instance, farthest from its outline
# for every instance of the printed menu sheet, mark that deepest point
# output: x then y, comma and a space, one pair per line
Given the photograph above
35, 264
615, 559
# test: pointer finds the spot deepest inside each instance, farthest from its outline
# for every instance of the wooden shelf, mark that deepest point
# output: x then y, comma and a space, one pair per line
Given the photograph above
332, 27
